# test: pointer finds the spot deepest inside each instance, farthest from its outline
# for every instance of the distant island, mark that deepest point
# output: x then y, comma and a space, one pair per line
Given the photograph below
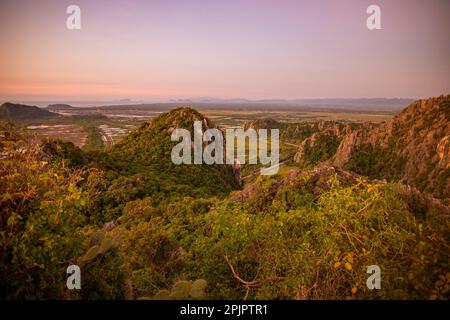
59, 107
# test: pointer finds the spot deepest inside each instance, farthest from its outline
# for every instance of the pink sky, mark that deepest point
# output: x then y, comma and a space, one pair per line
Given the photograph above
256, 49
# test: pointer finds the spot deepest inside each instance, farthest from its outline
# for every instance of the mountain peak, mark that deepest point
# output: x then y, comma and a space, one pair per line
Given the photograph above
150, 147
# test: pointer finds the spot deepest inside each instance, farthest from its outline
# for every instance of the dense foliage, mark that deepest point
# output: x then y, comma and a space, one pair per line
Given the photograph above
142, 228
41, 211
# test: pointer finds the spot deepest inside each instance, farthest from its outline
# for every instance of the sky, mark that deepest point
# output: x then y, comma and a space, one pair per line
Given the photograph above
254, 49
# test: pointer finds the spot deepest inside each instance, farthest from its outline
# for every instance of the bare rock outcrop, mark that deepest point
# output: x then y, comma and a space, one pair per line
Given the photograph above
415, 144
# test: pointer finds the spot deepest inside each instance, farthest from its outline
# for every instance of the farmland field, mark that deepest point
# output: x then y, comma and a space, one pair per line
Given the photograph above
69, 132
102, 127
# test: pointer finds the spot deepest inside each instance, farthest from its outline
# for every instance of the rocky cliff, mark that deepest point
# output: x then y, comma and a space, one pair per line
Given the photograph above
413, 147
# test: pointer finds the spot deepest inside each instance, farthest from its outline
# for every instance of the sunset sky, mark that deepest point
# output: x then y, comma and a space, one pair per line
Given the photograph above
256, 49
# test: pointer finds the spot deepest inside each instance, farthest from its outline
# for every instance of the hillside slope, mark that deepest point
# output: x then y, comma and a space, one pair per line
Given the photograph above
148, 150
412, 148
13, 111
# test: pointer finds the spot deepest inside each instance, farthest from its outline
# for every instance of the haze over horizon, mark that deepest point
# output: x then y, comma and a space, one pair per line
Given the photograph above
159, 50
393, 103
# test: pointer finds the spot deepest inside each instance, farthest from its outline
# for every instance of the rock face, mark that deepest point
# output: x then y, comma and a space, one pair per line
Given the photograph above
237, 170
349, 141
444, 152
413, 147
323, 143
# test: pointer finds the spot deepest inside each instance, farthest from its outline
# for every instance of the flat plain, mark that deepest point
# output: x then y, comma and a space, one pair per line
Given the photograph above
102, 127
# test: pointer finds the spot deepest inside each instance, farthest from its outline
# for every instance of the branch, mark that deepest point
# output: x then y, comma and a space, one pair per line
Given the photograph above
247, 284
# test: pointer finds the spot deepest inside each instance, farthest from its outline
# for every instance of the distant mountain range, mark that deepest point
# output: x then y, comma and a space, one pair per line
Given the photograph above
365, 101
378, 103
386, 102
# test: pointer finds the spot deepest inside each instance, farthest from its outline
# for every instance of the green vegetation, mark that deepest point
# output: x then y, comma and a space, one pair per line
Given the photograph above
94, 138
377, 163
41, 211
322, 149
293, 244
141, 227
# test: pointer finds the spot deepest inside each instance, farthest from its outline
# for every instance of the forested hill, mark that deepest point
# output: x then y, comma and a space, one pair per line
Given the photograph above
13, 111
146, 152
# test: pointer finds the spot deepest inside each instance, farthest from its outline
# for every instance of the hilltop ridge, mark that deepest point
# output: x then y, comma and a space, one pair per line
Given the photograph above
413, 147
